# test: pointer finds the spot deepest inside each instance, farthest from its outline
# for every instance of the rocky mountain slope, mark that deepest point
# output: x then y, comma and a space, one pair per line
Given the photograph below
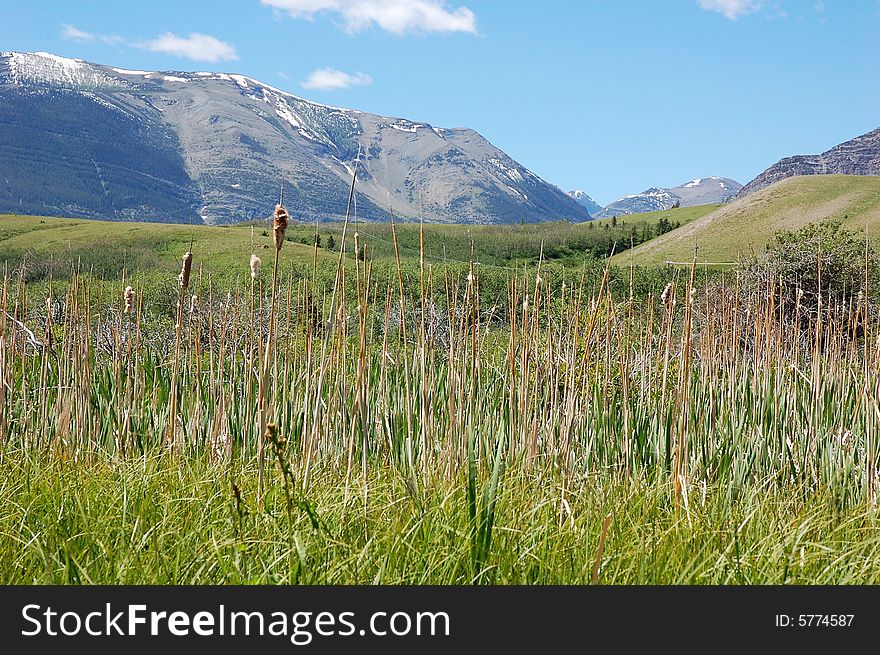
699, 191
82, 139
586, 201
859, 156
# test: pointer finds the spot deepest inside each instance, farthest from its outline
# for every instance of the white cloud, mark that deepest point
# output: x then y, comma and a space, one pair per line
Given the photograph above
71, 33
396, 16
327, 79
731, 9
112, 39
198, 47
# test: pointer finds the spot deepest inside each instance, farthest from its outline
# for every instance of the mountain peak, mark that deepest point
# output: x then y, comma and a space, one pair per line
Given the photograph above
210, 147
698, 191
585, 201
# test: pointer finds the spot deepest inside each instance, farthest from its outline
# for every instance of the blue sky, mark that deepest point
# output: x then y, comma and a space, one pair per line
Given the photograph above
606, 96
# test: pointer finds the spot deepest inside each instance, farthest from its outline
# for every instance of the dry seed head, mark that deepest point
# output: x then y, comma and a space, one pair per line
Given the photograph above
255, 266
129, 300
194, 304
692, 295
185, 269
667, 293
279, 226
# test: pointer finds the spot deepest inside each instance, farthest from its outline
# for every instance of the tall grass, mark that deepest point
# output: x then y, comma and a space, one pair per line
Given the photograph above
532, 441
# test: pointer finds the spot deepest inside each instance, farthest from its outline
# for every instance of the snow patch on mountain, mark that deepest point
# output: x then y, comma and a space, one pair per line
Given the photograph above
699, 191
44, 68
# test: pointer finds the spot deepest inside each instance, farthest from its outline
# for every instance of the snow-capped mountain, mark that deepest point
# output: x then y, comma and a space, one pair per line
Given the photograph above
699, 191
94, 140
586, 201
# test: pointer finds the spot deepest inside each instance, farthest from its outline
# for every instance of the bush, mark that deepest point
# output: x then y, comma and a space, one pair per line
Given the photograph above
820, 258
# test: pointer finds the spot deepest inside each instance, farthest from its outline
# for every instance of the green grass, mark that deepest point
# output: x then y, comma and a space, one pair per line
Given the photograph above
744, 227
156, 520
479, 432
682, 215
60, 245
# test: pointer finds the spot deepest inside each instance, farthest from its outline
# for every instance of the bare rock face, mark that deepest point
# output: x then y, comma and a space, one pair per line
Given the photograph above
83, 139
859, 156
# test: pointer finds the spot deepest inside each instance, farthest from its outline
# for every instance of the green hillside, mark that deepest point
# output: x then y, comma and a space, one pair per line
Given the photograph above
744, 227
683, 215
110, 247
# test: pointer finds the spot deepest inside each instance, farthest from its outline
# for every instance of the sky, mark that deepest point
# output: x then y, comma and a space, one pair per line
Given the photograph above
607, 96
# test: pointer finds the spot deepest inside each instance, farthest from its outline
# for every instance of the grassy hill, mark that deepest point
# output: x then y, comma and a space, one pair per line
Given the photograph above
744, 227
110, 247
683, 215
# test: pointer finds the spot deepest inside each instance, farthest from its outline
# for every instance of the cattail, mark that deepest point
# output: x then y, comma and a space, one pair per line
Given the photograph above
667, 294
129, 300
183, 278
279, 226
194, 304
692, 296
255, 266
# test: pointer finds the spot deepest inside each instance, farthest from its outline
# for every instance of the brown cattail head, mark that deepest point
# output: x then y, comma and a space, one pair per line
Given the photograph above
129, 300
279, 226
667, 294
183, 278
255, 266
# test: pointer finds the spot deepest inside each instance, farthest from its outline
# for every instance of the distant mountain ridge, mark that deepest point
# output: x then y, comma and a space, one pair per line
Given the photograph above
586, 201
699, 191
858, 156
82, 139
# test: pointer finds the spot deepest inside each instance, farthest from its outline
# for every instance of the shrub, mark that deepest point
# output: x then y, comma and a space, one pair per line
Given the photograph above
819, 258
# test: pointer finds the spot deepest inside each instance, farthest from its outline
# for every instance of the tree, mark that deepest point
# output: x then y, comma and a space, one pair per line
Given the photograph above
317, 240
331, 243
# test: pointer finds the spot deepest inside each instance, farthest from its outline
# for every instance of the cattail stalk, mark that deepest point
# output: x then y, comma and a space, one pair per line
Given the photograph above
279, 227
183, 287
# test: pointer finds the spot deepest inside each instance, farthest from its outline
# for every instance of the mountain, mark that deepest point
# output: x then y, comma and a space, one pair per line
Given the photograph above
586, 201
743, 226
699, 191
859, 156
82, 139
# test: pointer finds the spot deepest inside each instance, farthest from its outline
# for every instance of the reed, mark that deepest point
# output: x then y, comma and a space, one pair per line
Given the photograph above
409, 405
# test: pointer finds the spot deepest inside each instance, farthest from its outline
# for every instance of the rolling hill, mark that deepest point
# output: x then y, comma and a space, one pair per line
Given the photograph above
746, 225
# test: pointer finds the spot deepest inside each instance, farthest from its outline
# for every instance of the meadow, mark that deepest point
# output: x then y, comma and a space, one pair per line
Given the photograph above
367, 415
